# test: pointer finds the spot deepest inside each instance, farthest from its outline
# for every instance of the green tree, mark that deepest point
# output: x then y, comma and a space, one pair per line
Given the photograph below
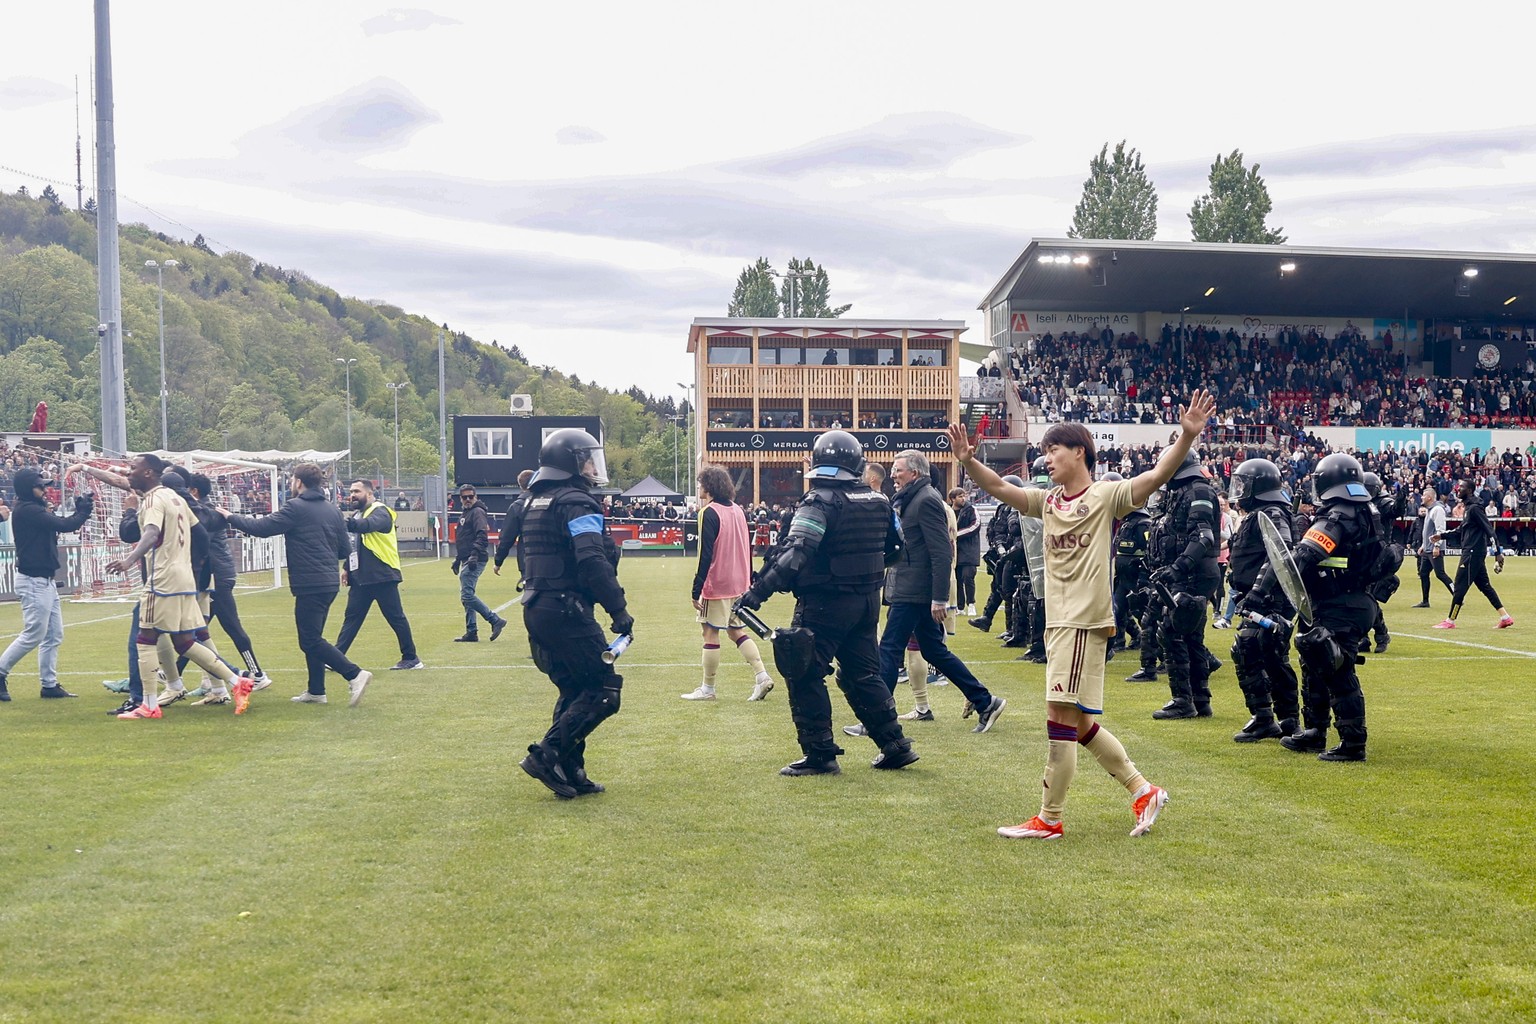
1235, 207
810, 293
755, 294
1119, 200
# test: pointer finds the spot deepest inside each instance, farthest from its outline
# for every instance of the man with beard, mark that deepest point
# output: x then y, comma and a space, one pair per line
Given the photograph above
373, 573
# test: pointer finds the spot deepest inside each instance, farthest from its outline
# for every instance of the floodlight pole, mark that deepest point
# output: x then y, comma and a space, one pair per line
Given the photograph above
109, 286
165, 434
348, 364
396, 389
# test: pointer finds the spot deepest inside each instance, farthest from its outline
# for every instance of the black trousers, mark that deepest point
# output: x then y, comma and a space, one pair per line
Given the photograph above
1473, 572
310, 609
965, 586
387, 596
1437, 564
1328, 689
844, 625
1183, 636
567, 646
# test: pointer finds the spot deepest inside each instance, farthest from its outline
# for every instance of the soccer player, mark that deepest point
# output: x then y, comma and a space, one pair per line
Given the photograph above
169, 605
1078, 516
1475, 536
724, 574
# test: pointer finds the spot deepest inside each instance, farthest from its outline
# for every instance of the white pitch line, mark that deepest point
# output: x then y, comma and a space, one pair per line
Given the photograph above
1467, 643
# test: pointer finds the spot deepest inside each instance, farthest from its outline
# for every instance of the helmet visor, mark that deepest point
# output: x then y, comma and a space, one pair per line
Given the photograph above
594, 467
1241, 488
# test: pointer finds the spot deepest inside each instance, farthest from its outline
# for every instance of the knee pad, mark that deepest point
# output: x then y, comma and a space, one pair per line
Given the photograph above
182, 642
147, 638
1248, 649
1187, 613
1321, 651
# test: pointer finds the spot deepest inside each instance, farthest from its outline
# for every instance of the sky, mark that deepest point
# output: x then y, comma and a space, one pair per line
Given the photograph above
582, 180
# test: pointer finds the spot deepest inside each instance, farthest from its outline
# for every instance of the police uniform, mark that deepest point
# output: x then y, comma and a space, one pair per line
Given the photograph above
1003, 560
1382, 590
1341, 554
841, 540
1132, 544
1261, 657
570, 561
1187, 567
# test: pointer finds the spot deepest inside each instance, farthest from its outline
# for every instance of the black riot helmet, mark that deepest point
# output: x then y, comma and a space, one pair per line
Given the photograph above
1338, 477
1257, 482
1013, 479
836, 455
1111, 477
1189, 469
572, 454
1157, 503
1038, 473
1372, 483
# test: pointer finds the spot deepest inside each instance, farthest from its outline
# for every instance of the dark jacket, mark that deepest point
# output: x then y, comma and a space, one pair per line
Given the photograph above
474, 533
36, 530
370, 569
967, 545
511, 530
317, 539
922, 574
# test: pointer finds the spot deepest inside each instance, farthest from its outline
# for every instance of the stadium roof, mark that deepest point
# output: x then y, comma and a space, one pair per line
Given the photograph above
741, 323
1326, 282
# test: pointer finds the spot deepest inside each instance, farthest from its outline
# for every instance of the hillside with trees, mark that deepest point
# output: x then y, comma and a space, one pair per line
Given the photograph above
251, 350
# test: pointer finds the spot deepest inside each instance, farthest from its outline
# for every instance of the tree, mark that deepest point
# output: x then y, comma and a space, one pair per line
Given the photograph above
202, 243
1119, 200
755, 294
1235, 207
810, 293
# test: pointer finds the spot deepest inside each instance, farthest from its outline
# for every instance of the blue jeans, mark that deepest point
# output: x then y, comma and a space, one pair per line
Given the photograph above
469, 577
904, 620
42, 628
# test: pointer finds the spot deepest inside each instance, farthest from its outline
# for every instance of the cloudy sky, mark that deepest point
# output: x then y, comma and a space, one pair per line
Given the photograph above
582, 180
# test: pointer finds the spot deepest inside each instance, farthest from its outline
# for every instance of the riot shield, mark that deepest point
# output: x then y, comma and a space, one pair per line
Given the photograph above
1032, 532
1284, 566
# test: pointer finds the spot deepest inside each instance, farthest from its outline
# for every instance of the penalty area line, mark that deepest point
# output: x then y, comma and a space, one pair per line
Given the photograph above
1470, 644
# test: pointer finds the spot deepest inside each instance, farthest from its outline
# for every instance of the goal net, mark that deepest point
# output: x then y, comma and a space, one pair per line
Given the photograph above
238, 485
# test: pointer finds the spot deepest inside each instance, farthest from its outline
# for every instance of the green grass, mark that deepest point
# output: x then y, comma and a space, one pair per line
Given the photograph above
396, 865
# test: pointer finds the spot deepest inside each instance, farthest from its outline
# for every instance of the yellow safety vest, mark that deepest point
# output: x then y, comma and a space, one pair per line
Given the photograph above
385, 546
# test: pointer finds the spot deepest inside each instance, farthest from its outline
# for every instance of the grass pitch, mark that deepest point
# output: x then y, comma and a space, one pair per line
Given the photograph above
391, 863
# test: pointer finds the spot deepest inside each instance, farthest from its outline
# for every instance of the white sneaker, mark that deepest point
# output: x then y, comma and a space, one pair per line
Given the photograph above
260, 682
309, 698
1222, 623
702, 693
357, 686
970, 610
762, 687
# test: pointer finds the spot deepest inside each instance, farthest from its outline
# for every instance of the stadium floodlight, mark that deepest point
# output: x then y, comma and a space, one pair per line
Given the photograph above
1511, 299
1210, 291
1081, 261
1288, 267
1469, 272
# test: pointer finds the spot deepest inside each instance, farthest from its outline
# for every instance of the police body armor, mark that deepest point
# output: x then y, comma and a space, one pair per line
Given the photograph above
1345, 570
549, 562
851, 557
1192, 507
1385, 586
1132, 545
1246, 554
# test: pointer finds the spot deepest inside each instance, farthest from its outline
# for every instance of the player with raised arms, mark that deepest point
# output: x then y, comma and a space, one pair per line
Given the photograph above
1079, 517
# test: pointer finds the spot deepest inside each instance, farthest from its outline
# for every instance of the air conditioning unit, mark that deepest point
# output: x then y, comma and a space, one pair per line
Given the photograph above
522, 405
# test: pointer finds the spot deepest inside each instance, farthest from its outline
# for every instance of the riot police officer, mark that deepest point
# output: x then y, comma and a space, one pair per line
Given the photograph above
1382, 590
1029, 614
570, 564
1339, 557
1003, 558
843, 537
1150, 636
1131, 547
1261, 657
1188, 569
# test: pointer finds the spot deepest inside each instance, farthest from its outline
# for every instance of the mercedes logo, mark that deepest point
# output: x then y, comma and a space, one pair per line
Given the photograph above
758, 440
942, 442
881, 441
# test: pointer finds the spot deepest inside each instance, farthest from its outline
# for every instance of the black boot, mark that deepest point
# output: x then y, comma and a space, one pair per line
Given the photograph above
1287, 727
1179, 707
579, 781
982, 622
467, 638
1343, 752
895, 754
1306, 741
1142, 675
1262, 726
545, 767
812, 766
